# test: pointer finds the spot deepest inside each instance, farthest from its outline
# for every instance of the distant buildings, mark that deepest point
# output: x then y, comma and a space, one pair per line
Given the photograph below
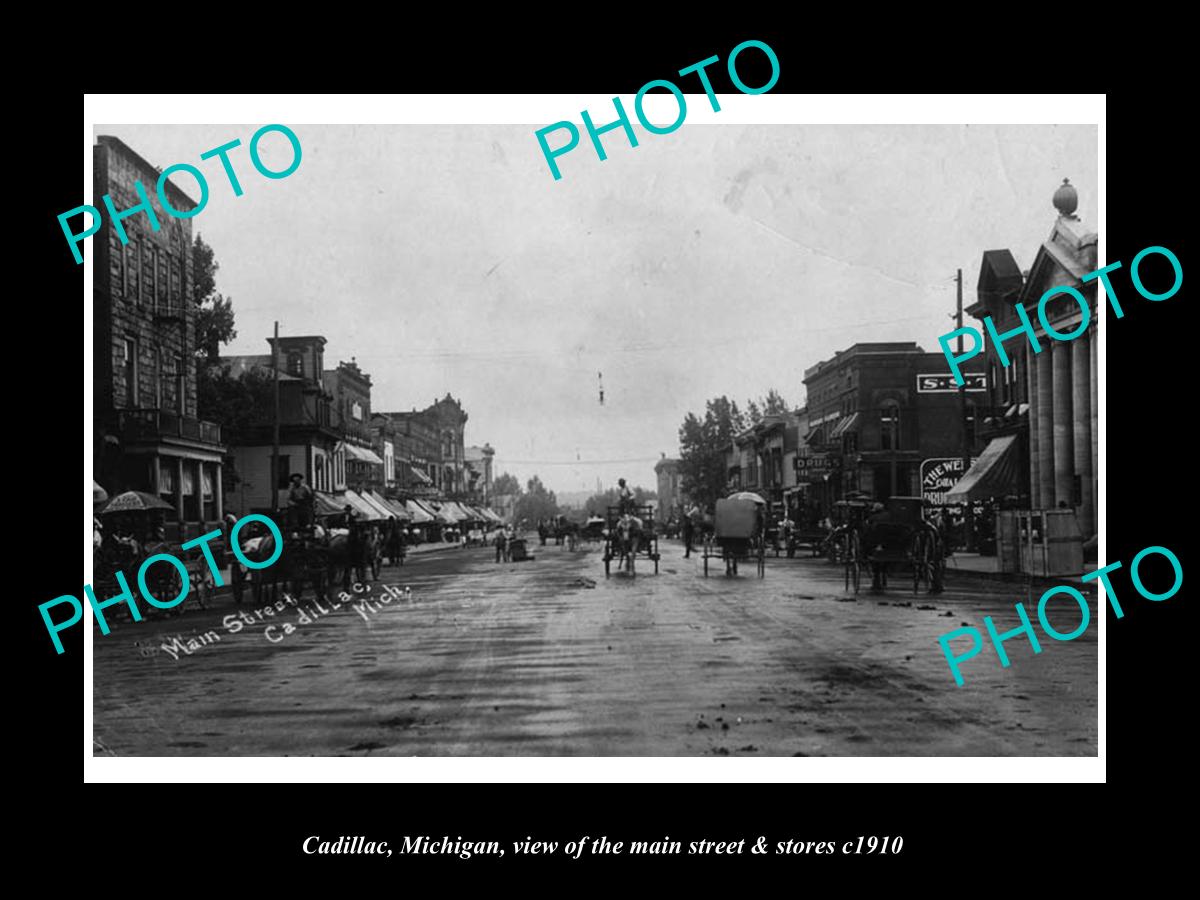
430, 446
670, 495
479, 472
329, 434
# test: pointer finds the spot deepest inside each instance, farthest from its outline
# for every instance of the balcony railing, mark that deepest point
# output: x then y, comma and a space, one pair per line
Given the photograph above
151, 424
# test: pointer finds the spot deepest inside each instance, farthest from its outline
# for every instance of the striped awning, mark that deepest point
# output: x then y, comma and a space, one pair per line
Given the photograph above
362, 454
994, 473
420, 515
397, 507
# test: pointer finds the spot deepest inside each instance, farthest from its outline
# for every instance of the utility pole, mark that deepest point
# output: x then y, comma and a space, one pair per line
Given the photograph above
275, 434
968, 514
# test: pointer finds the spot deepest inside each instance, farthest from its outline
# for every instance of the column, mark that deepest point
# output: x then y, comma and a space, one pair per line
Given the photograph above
1044, 409
1064, 429
1081, 397
218, 491
155, 476
1031, 370
1093, 339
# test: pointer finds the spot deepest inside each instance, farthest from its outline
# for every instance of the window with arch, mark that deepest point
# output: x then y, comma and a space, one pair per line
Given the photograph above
889, 426
969, 422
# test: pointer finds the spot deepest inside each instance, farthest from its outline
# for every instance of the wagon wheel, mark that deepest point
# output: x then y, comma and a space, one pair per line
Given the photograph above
852, 559
923, 562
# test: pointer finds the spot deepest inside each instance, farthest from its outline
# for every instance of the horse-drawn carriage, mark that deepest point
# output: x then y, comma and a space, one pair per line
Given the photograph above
739, 533
896, 535
629, 532
593, 530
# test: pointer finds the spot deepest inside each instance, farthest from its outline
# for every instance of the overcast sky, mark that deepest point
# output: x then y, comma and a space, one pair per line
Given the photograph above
714, 260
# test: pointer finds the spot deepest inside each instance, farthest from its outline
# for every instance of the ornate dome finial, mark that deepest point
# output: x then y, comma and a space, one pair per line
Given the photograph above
1066, 199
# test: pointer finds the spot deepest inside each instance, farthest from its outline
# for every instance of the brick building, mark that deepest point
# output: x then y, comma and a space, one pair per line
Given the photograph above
880, 413
147, 435
432, 442
356, 464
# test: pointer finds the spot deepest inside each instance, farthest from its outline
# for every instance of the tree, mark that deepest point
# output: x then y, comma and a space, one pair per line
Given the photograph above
236, 404
506, 484
771, 405
214, 322
702, 446
598, 504
536, 503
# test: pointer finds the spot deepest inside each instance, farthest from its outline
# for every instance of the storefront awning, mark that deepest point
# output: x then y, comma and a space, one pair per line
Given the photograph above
846, 425
994, 473
449, 513
396, 508
362, 454
411, 474
380, 508
359, 505
420, 515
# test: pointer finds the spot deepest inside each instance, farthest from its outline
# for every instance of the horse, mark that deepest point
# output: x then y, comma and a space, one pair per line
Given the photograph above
627, 538
354, 550
303, 559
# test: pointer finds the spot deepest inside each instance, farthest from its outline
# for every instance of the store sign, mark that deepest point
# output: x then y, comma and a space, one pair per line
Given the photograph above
944, 384
815, 467
939, 476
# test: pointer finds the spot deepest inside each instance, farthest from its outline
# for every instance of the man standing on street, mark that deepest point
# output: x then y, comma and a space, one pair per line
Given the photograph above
689, 529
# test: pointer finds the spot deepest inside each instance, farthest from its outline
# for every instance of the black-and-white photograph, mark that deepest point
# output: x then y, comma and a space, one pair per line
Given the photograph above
663, 458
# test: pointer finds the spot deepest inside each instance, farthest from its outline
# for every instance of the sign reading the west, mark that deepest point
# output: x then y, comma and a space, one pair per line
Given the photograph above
944, 384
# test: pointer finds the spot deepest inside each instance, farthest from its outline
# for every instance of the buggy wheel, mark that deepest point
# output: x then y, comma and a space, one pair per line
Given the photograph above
853, 562
923, 563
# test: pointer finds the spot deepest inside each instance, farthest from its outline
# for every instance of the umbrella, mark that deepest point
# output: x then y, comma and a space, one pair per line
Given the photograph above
99, 494
748, 495
134, 501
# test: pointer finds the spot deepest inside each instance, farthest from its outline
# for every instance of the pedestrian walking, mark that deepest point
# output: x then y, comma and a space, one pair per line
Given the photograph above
501, 542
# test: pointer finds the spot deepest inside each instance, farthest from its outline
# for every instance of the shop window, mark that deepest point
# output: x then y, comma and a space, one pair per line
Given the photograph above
889, 427
129, 363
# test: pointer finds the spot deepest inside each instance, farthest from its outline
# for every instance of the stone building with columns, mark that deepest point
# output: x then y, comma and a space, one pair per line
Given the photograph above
1051, 423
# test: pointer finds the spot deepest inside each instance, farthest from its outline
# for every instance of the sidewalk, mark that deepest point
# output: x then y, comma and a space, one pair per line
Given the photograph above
975, 565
